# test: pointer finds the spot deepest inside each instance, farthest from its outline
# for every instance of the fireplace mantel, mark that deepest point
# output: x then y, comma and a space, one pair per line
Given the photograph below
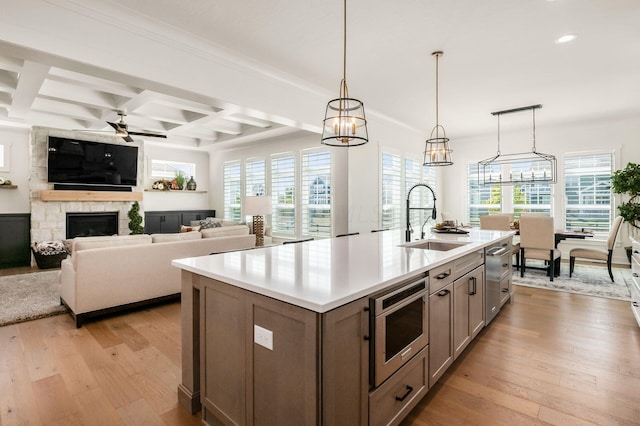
62, 195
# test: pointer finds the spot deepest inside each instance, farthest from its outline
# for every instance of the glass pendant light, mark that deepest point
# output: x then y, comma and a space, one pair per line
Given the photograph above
344, 122
437, 151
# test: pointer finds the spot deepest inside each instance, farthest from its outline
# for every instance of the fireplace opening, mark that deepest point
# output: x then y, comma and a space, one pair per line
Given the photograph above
91, 224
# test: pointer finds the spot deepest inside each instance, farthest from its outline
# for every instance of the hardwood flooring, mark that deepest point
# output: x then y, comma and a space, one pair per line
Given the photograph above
548, 358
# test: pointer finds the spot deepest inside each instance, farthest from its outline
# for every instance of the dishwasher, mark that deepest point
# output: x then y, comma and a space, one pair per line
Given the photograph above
498, 266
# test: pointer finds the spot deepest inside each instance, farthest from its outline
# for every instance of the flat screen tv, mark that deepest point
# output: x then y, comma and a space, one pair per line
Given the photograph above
78, 162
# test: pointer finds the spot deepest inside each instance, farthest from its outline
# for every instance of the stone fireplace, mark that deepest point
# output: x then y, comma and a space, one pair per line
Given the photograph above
49, 218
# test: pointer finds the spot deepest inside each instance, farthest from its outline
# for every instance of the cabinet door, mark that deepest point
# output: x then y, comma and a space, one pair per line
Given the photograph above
505, 290
345, 364
440, 332
462, 288
14, 240
476, 302
170, 222
189, 215
152, 223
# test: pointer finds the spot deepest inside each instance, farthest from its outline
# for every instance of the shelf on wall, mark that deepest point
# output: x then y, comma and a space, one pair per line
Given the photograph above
57, 195
8, 186
175, 191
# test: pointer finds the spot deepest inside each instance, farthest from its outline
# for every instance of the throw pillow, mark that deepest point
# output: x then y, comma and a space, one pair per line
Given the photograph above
184, 228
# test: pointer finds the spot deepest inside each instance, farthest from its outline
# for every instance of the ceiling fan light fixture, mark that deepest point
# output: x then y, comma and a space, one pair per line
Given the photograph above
345, 123
436, 150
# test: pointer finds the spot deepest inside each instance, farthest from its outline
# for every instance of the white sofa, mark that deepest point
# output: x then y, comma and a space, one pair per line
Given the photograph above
106, 274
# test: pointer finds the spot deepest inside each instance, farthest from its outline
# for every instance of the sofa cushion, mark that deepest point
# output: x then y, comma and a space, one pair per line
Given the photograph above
84, 243
225, 231
180, 236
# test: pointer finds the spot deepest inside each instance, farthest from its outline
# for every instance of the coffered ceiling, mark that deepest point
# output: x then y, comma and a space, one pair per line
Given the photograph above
498, 54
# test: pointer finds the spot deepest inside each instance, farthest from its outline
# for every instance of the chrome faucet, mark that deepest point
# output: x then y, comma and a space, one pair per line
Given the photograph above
408, 232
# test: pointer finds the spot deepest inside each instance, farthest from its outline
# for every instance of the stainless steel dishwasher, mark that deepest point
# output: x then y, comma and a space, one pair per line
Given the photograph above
498, 266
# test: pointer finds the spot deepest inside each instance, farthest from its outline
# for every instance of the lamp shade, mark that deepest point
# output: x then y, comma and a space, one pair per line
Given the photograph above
257, 205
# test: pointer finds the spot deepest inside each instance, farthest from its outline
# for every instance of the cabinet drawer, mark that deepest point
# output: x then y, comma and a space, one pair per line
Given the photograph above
440, 277
468, 262
391, 402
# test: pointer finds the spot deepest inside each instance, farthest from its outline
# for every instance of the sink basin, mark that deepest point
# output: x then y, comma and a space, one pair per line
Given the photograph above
435, 245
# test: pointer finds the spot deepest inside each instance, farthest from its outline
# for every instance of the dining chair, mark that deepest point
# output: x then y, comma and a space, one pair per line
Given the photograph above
537, 241
501, 222
597, 254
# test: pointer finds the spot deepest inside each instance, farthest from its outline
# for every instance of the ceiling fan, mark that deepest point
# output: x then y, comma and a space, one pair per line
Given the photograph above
122, 129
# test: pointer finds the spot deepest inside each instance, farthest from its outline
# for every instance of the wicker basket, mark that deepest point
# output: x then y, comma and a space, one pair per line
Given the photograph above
49, 261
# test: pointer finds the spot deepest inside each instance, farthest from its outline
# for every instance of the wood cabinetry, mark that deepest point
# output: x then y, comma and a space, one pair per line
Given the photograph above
167, 222
450, 324
468, 312
505, 290
317, 366
15, 240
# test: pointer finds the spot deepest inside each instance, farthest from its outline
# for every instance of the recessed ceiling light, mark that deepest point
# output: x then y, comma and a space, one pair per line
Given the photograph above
566, 38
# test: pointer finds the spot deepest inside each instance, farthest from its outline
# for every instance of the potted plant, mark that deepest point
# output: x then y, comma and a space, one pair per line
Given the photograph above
627, 182
180, 180
135, 220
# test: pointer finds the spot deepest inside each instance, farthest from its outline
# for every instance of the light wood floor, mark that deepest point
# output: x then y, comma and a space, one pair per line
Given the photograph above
549, 357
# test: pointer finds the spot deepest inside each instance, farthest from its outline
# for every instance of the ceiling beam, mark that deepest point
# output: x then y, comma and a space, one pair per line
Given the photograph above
32, 75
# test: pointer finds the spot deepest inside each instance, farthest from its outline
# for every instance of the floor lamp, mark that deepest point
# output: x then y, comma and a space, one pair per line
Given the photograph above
258, 207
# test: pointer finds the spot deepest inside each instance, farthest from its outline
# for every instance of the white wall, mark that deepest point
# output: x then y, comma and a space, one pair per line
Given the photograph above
177, 200
16, 200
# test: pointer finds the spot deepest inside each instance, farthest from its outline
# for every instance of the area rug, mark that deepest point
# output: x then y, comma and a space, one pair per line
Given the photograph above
587, 279
26, 297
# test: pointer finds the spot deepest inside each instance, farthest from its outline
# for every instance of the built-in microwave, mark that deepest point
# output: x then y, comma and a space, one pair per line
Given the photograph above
399, 322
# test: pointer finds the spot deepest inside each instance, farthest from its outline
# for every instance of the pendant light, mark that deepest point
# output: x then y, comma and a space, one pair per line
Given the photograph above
436, 151
344, 122
519, 168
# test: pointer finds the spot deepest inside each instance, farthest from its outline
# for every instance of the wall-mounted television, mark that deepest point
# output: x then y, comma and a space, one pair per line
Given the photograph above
73, 162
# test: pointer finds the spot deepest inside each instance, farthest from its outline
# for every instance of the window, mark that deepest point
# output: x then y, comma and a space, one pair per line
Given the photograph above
255, 181
391, 190
587, 183
529, 198
162, 169
420, 197
316, 194
483, 199
232, 191
283, 184
4, 157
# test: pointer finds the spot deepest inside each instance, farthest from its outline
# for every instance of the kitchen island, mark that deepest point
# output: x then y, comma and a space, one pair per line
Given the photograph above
281, 335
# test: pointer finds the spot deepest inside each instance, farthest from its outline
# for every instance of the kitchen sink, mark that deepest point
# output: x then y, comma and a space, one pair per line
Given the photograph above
435, 245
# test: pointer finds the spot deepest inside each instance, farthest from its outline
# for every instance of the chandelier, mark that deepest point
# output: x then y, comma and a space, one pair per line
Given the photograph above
344, 122
436, 150
519, 168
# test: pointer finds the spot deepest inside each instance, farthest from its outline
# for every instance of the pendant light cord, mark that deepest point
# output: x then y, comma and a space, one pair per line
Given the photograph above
534, 129
498, 134
437, 123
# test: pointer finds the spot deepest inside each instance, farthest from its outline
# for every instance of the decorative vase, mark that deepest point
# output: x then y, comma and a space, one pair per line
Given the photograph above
191, 185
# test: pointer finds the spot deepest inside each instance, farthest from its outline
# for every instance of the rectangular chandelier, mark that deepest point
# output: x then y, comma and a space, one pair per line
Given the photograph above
519, 168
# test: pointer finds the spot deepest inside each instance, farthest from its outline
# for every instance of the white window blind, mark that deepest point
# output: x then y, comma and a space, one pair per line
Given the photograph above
588, 200
232, 191
4, 166
316, 194
483, 199
255, 172
420, 197
530, 198
391, 191
283, 184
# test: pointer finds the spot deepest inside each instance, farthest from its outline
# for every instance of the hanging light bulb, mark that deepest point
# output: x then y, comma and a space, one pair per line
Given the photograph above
344, 121
437, 151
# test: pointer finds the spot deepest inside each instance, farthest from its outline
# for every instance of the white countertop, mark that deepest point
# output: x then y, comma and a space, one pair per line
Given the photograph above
324, 274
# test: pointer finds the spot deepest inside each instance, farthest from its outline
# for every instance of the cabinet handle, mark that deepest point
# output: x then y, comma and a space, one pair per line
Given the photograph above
443, 293
443, 275
635, 304
636, 251
505, 290
473, 283
635, 274
367, 338
402, 398
504, 265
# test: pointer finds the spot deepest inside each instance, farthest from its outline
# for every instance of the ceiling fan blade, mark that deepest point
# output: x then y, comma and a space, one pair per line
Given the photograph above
114, 125
152, 135
127, 138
